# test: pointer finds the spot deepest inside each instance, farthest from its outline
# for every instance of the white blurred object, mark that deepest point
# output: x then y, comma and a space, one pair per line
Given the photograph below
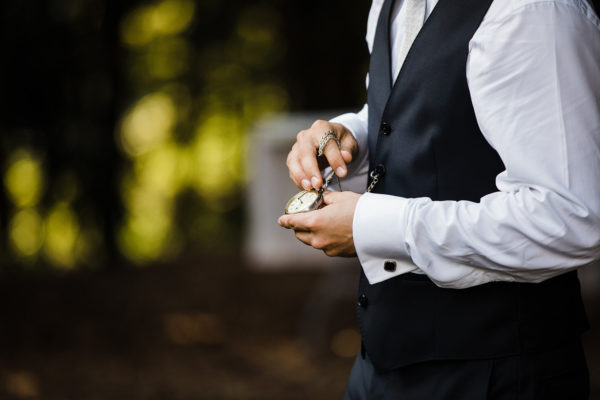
267, 245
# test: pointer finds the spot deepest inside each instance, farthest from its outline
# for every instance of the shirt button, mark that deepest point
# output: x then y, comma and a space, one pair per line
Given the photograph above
363, 301
386, 129
389, 265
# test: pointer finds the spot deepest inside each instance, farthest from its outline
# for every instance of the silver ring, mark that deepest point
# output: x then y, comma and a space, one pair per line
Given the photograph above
327, 136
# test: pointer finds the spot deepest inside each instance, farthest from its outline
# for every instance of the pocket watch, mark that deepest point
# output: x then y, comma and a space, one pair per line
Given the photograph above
307, 200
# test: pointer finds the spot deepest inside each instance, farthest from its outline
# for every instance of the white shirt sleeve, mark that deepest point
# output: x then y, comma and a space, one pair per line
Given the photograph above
358, 170
534, 78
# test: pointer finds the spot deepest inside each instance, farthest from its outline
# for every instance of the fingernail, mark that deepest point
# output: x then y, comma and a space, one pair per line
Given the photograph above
340, 171
305, 183
315, 181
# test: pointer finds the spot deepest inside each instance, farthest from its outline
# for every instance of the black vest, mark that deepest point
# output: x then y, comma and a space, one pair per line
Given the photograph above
423, 131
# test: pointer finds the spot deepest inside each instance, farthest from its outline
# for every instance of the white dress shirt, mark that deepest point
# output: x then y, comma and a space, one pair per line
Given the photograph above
533, 72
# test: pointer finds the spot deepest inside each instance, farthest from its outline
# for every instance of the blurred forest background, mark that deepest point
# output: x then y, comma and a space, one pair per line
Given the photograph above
124, 129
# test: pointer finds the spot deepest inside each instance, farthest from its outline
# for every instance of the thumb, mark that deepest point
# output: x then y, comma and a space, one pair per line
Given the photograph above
330, 197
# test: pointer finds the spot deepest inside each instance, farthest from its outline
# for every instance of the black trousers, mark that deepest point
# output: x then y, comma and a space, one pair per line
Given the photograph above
557, 374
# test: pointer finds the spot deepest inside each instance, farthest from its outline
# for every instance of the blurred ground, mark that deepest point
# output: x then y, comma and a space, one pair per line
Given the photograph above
205, 329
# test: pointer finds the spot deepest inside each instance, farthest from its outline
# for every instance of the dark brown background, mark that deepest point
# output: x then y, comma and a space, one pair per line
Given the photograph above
196, 323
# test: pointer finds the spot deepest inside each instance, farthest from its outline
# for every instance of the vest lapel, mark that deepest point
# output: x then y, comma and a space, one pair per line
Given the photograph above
380, 75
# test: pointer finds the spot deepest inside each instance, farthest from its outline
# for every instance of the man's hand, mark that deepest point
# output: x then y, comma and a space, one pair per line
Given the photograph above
329, 228
302, 160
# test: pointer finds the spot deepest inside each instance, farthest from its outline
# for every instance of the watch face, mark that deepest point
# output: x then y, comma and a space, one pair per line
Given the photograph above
306, 200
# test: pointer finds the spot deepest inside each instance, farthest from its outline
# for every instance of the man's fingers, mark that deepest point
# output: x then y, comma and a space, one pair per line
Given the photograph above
303, 163
286, 221
304, 237
330, 197
297, 174
335, 159
339, 157
312, 239
295, 169
346, 155
349, 147
332, 251
332, 153
308, 162
301, 166
303, 222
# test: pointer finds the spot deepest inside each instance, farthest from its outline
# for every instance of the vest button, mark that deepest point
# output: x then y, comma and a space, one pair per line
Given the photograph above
386, 129
389, 265
363, 301
379, 170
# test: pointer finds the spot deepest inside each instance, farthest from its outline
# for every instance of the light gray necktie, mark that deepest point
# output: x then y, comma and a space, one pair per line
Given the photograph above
415, 17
